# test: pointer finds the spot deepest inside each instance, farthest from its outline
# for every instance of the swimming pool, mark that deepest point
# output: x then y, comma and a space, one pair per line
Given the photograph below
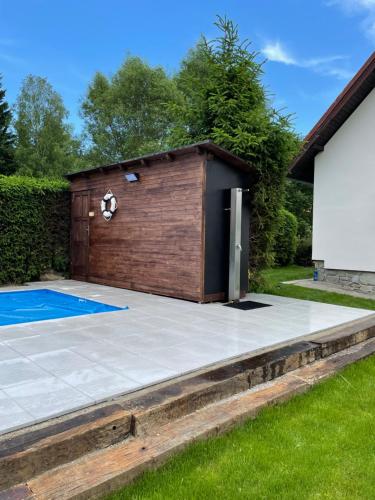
36, 305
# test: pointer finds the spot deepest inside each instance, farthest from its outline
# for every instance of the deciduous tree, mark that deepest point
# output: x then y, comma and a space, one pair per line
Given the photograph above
129, 114
45, 145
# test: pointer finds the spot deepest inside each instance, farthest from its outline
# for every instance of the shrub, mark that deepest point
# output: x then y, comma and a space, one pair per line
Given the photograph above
304, 252
286, 238
34, 228
299, 201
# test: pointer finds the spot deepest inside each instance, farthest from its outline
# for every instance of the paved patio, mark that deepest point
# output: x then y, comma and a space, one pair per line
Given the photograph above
53, 367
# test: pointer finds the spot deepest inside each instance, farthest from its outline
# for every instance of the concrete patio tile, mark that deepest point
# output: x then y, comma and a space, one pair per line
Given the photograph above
96, 351
195, 331
138, 368
53, 326
225, 348
14, 332
42, 343
150, 375
91, 322
74, 338
180, 358
156, 322
62, 359
270, 299
95, 339
12, 415
139, 326
153, 375
139, 344
112, 332
274, 314
99, 382
47, 397
7, 353
84, 376
80, 322
19, 370
252, 330
117, 359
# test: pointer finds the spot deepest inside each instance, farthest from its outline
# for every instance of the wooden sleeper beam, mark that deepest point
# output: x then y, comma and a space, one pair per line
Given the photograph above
100, 473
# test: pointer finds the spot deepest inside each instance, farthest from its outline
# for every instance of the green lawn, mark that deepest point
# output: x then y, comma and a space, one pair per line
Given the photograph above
318, 445
274, 278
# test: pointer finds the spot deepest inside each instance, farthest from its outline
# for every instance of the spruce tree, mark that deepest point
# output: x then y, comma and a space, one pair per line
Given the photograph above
226, 101
7, 138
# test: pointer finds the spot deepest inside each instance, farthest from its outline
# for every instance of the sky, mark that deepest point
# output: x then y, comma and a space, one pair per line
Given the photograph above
312, 47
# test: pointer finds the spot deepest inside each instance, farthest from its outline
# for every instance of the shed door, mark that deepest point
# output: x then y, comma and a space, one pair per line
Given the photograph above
80, 234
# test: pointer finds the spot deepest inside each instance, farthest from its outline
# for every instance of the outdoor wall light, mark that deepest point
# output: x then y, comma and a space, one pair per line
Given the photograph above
132, 177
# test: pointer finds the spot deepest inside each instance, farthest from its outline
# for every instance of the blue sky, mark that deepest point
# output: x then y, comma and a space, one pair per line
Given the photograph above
313, 46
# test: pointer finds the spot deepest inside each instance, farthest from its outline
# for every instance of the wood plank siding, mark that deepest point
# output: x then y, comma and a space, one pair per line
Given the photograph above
155, 241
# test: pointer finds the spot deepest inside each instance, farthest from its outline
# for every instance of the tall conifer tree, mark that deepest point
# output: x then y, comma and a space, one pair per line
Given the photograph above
7, 138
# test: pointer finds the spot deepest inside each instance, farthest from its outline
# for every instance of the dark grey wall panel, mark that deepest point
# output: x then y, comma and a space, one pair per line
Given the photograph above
220, 178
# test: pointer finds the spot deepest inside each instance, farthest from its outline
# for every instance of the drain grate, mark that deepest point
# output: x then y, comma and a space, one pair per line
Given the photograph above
247, 305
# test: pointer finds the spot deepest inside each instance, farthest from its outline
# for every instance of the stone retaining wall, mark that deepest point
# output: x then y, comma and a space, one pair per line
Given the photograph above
358, 281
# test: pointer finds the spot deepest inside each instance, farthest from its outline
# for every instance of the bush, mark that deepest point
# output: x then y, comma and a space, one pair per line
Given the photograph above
299, 201
286, 238
304, 252
34, 228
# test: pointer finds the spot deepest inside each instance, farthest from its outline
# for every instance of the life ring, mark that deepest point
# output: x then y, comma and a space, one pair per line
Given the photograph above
107, 212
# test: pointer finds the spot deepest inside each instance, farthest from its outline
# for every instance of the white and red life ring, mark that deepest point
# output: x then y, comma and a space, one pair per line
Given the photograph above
108, 205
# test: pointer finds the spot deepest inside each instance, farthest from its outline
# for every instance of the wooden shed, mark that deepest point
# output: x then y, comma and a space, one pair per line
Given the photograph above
181, 227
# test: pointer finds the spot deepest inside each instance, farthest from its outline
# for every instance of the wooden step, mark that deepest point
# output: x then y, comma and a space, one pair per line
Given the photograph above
103, 471
177, 399
182, 398
31, 453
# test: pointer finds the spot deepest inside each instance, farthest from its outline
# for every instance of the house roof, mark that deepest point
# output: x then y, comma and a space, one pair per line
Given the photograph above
171, 154
346, 103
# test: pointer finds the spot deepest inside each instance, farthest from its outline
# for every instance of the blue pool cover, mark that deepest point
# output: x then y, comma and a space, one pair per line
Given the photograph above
38, 305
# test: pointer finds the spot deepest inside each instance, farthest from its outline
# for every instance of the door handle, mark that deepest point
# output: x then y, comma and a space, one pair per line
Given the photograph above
239, 247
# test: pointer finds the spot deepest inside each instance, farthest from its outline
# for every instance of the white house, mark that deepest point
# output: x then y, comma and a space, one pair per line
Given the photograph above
339, 158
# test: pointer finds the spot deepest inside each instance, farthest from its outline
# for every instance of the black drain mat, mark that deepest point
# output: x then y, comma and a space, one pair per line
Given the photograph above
247, 305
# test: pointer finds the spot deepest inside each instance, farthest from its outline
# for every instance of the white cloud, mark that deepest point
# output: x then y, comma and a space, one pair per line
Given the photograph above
328, 66
353, 5
9, 58
275, 52
7, 47
365, 8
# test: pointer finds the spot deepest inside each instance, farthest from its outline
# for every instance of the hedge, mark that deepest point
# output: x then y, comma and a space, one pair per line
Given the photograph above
34, 228
286, 239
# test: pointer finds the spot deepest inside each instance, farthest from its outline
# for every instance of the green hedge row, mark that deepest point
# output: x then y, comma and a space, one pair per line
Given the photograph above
34, 228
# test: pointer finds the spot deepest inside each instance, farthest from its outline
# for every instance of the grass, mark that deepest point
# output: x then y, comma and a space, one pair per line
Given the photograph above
275, 276
319, 445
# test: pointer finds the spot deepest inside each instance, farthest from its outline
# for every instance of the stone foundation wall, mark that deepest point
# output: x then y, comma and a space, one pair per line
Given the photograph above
358, 281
